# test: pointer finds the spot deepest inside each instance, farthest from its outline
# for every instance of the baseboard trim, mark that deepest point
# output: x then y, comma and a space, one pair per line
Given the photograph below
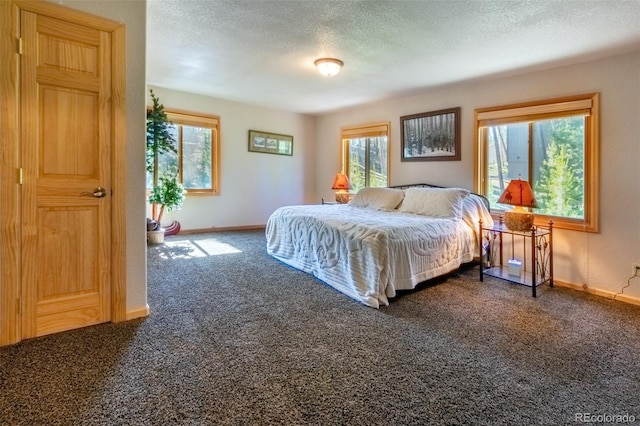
138, 313
221, 229
603, 293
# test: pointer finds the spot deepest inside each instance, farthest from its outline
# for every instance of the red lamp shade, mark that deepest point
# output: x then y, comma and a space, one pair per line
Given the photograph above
518, 193
341, 182
342, 185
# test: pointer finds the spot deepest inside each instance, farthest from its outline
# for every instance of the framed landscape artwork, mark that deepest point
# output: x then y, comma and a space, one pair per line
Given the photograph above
431, 136
270, 143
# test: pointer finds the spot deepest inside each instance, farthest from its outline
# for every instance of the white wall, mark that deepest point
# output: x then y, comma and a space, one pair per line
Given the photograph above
252, 185
134, 15
600, 261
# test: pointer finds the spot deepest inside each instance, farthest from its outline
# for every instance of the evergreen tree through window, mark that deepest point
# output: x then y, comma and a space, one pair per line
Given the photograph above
365, 155
554, 146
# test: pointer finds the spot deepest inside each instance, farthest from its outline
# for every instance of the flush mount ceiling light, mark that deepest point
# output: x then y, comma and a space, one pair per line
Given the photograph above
329, 66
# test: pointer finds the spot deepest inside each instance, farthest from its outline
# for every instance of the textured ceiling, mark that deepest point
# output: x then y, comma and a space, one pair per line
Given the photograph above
262, 51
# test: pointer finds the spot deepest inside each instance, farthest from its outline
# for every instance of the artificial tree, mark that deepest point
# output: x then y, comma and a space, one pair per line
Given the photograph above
166, 192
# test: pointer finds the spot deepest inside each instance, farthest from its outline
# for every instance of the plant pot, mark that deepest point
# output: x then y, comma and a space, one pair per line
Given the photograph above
156, 237
172, 229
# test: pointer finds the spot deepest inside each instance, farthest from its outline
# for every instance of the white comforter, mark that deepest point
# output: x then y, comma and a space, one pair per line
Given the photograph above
368, 254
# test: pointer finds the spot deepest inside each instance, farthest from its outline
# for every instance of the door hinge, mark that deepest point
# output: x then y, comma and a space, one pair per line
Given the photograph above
20, 46
20, 176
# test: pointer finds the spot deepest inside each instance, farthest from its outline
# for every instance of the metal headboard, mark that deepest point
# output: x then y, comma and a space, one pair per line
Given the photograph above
484, 199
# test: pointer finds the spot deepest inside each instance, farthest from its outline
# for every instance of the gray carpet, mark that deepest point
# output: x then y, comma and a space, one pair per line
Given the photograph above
242, 339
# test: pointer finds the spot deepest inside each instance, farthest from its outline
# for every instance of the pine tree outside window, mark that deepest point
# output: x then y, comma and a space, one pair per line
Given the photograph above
551, 144
197, 156
365, 155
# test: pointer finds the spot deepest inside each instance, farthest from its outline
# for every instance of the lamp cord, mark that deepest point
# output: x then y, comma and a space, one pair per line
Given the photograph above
628, 284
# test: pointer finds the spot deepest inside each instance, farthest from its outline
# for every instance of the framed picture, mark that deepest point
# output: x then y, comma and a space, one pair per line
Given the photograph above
271, 143
431, 136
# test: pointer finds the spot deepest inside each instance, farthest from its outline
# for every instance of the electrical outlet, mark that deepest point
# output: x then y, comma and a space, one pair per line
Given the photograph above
635, 269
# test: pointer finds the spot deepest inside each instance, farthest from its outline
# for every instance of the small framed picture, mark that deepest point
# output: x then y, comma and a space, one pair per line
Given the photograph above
270, 143
431, 136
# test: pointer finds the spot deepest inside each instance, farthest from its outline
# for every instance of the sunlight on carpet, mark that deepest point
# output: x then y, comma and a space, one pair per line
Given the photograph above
185, 249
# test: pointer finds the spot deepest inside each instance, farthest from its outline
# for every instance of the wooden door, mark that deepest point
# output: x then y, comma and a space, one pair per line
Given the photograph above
65, 149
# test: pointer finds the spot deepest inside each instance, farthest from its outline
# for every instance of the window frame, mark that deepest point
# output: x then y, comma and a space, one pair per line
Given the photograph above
377, 129
587, 105
183, 118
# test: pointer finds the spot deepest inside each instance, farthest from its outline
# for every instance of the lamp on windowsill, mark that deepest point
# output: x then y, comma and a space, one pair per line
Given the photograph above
342, 185
519, 194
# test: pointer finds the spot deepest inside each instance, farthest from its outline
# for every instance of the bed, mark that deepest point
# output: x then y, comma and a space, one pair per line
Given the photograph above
382, 241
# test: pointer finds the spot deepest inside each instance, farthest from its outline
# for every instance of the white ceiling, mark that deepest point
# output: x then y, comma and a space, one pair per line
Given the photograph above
262, 51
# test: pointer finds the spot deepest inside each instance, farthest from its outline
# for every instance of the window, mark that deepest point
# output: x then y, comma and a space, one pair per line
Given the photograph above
365, 155
197, 145
553, 145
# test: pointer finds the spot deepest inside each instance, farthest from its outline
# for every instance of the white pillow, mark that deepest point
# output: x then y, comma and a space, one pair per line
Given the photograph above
437, 202
378, 198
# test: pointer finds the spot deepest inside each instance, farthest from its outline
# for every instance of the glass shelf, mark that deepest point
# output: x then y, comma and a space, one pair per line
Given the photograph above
535, 247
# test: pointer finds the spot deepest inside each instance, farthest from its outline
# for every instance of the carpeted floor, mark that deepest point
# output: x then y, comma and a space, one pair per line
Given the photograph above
238, 338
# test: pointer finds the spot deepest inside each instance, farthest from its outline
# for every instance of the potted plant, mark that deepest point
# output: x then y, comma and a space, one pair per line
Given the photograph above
162, 165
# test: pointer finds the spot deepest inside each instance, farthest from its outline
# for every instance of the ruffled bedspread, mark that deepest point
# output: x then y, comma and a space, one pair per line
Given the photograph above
368, 254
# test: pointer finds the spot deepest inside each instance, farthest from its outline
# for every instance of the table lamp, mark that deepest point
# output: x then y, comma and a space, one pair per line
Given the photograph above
342, 185
519, 194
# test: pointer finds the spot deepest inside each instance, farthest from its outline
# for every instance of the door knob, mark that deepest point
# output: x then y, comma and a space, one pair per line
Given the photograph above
99, 192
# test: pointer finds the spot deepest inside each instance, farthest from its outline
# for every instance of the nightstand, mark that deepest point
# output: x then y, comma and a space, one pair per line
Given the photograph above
329, 202
534, 249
